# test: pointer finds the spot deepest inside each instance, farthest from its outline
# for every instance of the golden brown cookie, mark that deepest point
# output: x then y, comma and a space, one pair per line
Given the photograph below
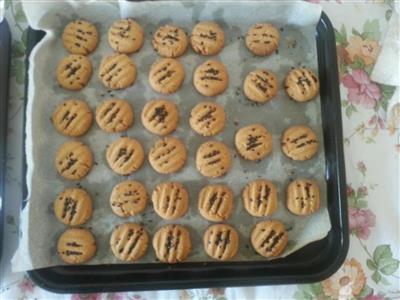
129, 242
262, 39
74, 72
73, 206
172, 243
73, 160
160, 116
80, 37
299, 142
170, 41
128, 198
301, 85
260, 198
221, 241
76, 246
125, 155
117, 71
207, 118
166, 75
125, 36
260, 86
211, 78
216, 202
170, 200
253, 142
114, 115
72, 118
168, 155
269, 238
213, 159
303, 197
207, 38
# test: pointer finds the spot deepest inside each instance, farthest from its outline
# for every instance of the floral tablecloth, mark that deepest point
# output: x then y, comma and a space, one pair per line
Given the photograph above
372, 147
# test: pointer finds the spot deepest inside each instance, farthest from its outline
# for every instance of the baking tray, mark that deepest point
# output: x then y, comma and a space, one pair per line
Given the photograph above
314, 262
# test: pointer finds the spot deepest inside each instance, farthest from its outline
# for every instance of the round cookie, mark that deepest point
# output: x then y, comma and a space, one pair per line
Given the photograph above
207, 118
170, 200
117, 71
73, 206
170, 41
253, 142
72, 118
260, 198
303, 197
207, 38
125, 36
125, 156
260, 86
160, 116
73, 72
213, 159
221, 241
168, 155
80, 37
299, 142
215, 202
114, 115
166, 75
211, 78
269, 238
73, 160
172, 243
76, 246
128, 198
301, 85
262, 39
129, 242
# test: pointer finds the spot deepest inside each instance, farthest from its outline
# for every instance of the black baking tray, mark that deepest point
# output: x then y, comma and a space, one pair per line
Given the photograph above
312, 263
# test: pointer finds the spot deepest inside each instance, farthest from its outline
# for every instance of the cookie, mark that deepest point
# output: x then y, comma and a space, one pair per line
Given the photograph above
170, 200
221, 241
301, 85
166, 75
269, 238
125, 36
207, 38
128, 198
172, 243
76, 246
170, 41
253, 142
73, 206
117, 71
114, 115
125, 156
160, 116
207, 118
260, 198
262, 39
80, 37
73, 160
72, 118
299, 142
213, 159
74, 72
303, 197
260, 86
211, 78
215, 202
129, 242
168, 155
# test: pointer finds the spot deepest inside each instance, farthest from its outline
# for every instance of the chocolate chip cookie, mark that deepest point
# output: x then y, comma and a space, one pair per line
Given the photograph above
114, 115
221, 242
262, 39
76, 246
215, 202
211, 78
126, 36
74, 72
213, 159
117, 71
301, 85
207, 38
253, 142
260, 86
170, 41
207, 118
299, 142
128, 198
80, 37
260, 198
269, 238
125, 155
170, 200
166, 75
160, 116
303, 197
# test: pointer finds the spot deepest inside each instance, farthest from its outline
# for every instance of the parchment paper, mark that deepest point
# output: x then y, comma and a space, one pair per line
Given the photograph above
296, 22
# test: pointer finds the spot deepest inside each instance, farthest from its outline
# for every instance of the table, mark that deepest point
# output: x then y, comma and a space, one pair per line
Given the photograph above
372, 152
